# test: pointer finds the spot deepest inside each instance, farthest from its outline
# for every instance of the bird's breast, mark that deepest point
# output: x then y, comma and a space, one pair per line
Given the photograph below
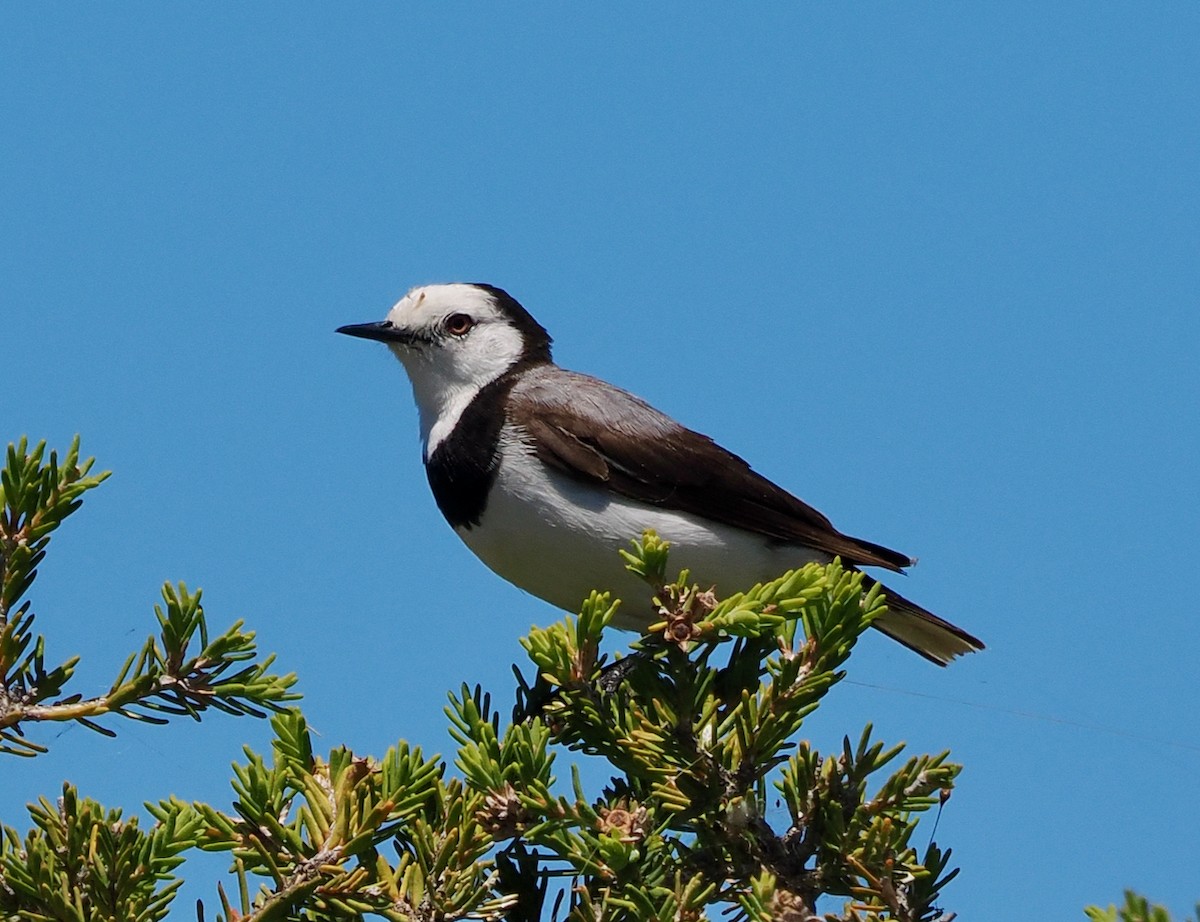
558, 538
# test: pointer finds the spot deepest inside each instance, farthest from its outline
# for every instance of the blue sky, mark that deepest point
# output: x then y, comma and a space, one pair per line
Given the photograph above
934, 268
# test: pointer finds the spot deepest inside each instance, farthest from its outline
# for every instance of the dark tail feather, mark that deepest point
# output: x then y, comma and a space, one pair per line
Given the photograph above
922, 631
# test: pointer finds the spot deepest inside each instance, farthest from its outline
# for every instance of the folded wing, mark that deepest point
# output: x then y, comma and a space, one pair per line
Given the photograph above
606, 435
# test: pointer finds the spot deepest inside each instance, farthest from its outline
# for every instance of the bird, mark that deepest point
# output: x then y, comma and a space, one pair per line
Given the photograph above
544, 473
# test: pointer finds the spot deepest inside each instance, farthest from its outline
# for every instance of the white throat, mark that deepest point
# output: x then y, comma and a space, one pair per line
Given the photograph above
448, 370
440, 399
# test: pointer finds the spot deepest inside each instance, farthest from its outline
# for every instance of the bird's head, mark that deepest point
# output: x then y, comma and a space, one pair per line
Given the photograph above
455, 339
473, 333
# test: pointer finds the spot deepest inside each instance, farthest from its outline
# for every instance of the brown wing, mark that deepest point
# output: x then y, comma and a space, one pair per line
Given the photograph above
599, 433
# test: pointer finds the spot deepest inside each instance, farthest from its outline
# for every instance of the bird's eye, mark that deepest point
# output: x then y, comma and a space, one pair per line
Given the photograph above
459, 324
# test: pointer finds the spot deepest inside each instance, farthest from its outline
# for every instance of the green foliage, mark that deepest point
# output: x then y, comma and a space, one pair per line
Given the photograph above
178, 672
712, 805
174, 674
312, 828
699, 723
1136, 909
699, 729
83, 863
36, 495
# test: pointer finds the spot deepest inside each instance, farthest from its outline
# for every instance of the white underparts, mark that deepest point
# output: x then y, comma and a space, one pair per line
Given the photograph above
558, 539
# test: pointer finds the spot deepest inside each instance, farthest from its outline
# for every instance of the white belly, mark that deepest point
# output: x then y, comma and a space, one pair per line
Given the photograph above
558, 539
